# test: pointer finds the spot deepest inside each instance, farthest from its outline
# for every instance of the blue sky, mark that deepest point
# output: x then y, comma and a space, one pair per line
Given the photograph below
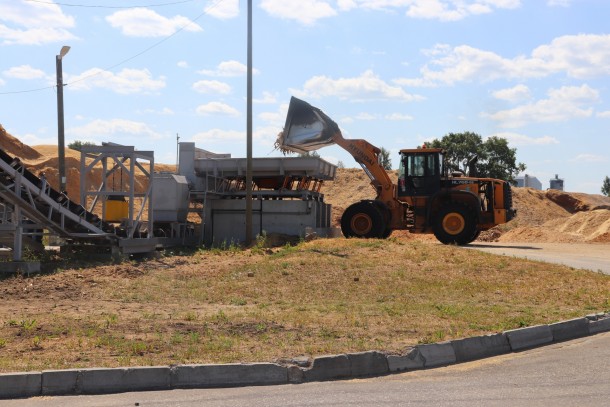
394, 72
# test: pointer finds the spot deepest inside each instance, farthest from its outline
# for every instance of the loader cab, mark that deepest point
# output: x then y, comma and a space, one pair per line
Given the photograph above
420, 171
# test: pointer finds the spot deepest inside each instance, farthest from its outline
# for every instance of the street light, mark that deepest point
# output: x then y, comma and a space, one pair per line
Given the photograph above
60, 117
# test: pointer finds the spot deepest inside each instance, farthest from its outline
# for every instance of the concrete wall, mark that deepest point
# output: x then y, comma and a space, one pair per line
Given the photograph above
225, 219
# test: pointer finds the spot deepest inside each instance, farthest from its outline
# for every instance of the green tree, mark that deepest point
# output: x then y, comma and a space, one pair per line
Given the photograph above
606, 186
309, 154
495, 158
78, 145
384, 159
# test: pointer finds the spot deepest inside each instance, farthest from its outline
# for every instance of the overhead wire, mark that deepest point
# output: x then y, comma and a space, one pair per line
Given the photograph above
156, 44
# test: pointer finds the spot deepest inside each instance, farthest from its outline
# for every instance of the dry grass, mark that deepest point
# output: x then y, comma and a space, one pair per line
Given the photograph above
320, 297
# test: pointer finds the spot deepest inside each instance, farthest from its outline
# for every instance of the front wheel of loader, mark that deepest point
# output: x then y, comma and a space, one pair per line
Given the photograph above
363, 219
454, 224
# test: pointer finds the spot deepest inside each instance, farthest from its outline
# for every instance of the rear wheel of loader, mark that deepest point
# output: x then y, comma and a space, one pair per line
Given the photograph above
364, 220
454, 224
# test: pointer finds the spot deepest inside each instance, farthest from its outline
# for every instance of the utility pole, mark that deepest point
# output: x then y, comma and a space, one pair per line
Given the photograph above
249, 133
60, 117
177, 152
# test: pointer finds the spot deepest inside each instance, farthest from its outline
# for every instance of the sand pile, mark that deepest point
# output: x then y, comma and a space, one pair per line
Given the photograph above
43, 159
543, 216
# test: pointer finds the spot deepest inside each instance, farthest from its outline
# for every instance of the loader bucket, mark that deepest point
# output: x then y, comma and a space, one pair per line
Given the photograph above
307, 128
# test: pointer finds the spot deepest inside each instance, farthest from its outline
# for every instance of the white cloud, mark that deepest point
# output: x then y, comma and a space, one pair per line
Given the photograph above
217, 108
219, 136
212, 87
398, 116
30, 23
267, 98
143, 22
560, 3
516, 139
578, 56
2, 83
589, 158
514, 94
306, 12
228, 69
604, 114
223, 10
565, 103
182, 64
367, 86
276, 118
98, 129
166, 111
36, 140
128, 81
24, 72
364, 116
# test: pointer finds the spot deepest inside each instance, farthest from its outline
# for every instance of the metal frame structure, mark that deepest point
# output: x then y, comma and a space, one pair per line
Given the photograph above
122, 159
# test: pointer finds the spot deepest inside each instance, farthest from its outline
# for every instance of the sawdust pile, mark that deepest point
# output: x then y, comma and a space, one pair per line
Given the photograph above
43, 159
542, 216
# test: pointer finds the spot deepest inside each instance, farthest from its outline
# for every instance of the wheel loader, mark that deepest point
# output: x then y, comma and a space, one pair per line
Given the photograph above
426, 199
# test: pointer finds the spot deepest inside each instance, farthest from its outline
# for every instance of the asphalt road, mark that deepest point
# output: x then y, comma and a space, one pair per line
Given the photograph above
574, 373
594, 257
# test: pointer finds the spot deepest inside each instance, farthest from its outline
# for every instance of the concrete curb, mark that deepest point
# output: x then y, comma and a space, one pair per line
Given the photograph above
298, 370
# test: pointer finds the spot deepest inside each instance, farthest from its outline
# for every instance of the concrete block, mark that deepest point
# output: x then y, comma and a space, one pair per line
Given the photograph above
295, 374
17, 385
570, 329
59, 382
367, 364
529, 337
228, 375
601, 325
437, 354
98, 381
480, 347
413, 360
327, 368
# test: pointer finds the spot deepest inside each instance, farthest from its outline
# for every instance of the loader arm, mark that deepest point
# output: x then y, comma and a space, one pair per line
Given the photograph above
308, 128
367, 155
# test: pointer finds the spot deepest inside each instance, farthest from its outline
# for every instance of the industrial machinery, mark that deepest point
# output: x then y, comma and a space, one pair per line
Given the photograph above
427, 198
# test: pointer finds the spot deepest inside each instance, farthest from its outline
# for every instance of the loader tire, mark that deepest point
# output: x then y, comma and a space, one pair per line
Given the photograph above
364, 220
387, 217
455, 224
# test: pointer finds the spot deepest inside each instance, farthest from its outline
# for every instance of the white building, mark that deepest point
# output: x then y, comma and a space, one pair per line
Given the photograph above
528, 181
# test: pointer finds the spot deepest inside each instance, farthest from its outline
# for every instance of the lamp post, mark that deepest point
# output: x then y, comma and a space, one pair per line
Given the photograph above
249, 133
60, 117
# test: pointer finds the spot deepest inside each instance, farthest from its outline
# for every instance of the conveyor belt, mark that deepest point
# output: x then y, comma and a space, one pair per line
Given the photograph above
49, 208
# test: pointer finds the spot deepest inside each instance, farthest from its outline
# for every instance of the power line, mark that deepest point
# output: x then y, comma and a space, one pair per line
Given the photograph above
111, 7
156, 44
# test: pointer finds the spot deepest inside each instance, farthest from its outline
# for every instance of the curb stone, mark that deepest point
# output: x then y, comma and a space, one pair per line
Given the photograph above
298, 370
437, 354
524, 338
479, 347
570, 329
412, 360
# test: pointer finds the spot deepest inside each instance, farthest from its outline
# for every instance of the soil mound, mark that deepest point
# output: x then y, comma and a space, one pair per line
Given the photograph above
542, 216
15, 147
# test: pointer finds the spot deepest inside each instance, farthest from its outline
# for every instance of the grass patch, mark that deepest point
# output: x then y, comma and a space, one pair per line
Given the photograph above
320, 297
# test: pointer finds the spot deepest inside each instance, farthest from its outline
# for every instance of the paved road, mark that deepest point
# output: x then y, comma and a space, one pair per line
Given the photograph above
575, 373
595, 257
